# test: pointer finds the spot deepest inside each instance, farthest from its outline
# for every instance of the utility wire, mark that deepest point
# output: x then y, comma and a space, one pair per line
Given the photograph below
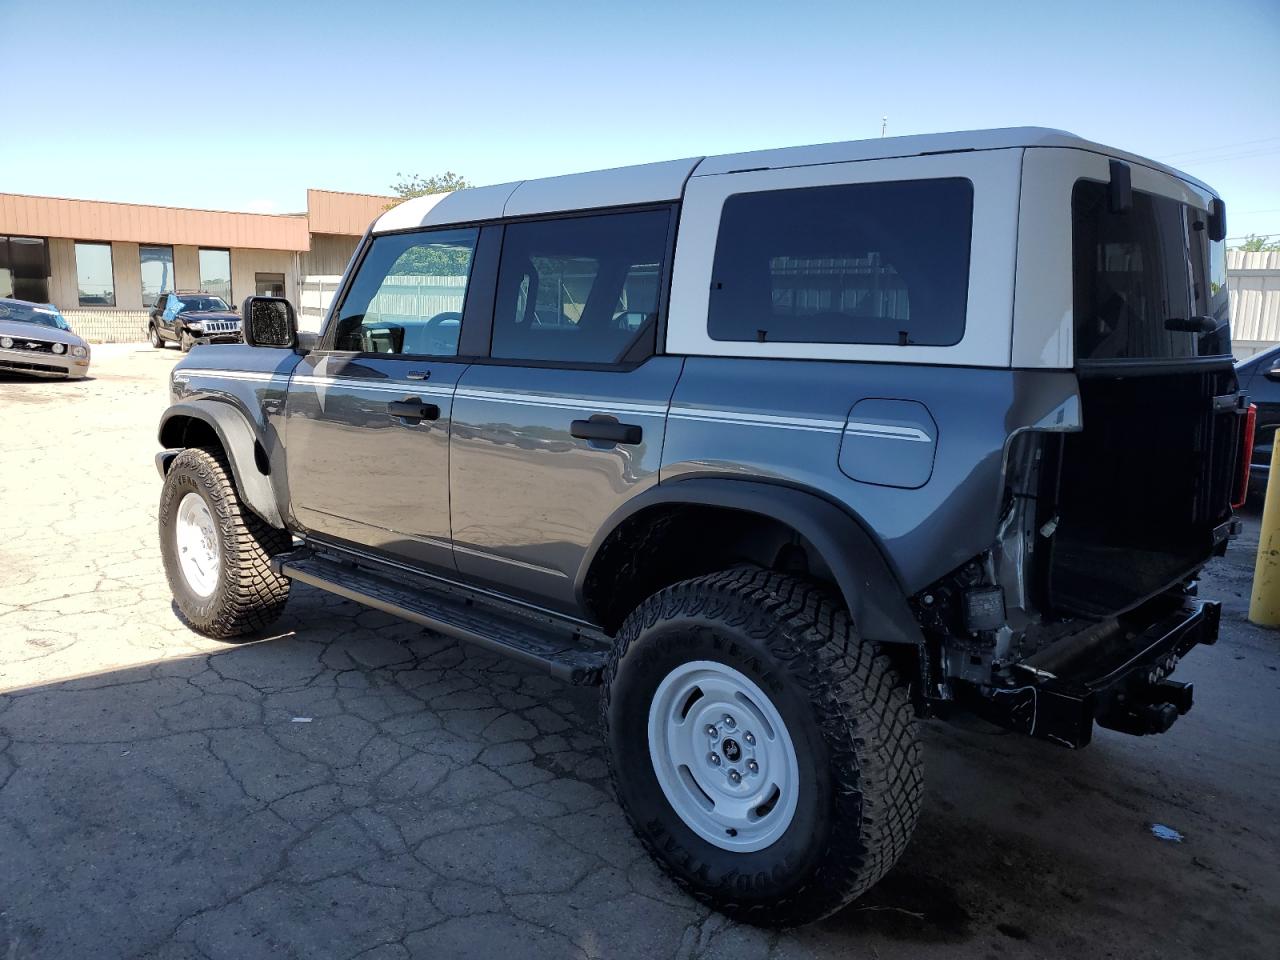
1220, 147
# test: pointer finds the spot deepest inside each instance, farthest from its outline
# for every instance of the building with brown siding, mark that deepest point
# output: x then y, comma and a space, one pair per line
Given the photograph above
103, 264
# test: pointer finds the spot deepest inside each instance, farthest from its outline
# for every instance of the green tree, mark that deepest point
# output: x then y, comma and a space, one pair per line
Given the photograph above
1256, 244
416, 185
433, 260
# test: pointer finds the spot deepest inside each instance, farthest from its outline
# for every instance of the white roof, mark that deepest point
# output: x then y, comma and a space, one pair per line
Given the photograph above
659, 182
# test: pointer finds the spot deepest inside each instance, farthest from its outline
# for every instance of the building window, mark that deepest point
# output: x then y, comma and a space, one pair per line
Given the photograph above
95, 281
215, 273
268, 284
157, 272
24, 268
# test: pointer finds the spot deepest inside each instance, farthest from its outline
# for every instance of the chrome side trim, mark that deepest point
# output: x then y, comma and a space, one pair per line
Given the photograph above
757, 419
884, 431
568, 403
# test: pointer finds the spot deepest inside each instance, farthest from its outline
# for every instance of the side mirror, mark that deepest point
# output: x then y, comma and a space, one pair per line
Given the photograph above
269, 322
1217, 220
1273, 373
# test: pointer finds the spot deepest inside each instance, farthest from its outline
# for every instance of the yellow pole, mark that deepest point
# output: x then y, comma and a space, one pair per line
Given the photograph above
1264, 607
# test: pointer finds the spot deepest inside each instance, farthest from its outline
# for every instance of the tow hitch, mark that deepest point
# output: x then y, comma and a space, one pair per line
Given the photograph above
1119, 678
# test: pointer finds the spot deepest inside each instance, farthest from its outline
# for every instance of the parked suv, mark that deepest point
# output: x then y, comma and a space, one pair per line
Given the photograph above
190, 318
785, 450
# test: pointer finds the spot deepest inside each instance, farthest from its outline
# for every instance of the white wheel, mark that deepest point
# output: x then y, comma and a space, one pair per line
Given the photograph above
723, 756
196, 536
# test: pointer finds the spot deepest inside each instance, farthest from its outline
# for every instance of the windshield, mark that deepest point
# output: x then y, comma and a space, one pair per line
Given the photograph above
192, 304
32, 313
1149, 283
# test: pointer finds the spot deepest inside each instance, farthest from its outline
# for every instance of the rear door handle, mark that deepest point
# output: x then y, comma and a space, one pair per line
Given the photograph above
413, 410
609, 431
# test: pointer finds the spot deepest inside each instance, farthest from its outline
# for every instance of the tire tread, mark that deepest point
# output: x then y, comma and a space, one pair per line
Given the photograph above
864, 711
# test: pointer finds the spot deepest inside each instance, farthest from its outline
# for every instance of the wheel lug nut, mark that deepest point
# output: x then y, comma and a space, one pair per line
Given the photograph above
729, 722
749, 738
735, 776
753, 767
712, 732
714, 759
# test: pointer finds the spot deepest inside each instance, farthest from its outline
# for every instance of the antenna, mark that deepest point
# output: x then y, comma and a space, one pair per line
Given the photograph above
884, 125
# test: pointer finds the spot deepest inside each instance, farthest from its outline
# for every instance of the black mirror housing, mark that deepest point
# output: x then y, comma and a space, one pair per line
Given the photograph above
269, 322
1218, 220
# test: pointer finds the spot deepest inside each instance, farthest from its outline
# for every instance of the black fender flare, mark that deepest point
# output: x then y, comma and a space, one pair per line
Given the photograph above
871, 590
237, 437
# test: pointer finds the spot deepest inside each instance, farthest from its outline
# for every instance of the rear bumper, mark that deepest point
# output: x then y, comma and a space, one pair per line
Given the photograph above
1121, 681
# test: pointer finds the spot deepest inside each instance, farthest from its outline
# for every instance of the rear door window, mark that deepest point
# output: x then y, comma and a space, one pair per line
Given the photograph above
851, 263
579, 289
1149, 283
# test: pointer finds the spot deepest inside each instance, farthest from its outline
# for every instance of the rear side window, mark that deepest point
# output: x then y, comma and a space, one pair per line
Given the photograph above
1149, 283
408, 295
853, 263
581, 289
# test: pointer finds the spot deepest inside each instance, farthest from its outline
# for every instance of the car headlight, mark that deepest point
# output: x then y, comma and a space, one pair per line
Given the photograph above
59, 348
79, 351
6, 342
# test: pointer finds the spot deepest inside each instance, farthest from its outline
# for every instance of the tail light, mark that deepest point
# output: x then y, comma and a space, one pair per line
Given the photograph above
1246, 456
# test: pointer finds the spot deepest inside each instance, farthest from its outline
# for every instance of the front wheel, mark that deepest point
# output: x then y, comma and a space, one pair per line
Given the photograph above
185, 343
217, 554
766, 755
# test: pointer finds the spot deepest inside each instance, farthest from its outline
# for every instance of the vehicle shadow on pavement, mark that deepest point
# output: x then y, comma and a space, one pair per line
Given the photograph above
353, 783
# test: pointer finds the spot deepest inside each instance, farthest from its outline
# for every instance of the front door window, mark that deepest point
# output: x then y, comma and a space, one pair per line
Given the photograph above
408, 296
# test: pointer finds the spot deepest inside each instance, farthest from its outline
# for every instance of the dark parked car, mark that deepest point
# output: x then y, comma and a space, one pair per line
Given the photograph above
1260, 378
191, 318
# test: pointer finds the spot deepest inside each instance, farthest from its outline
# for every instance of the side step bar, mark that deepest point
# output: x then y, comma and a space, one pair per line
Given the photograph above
563, 651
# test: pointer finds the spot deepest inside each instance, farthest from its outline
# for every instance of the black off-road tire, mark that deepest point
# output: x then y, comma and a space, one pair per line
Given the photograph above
848, 714
153, 335
249, 595
185, 342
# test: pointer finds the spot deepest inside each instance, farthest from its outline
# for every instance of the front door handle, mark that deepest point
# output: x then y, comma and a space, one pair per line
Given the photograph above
608, 431
413, 410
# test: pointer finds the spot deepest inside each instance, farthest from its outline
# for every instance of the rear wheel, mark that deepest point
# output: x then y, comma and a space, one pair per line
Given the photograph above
766, 755
154, 336
217, 553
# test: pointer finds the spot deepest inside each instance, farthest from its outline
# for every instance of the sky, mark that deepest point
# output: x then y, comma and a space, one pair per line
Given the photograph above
243, 105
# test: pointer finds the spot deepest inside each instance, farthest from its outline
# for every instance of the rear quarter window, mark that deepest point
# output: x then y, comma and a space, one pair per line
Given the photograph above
884, 263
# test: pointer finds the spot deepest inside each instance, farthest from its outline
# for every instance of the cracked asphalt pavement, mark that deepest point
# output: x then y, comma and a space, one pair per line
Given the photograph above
352, 786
